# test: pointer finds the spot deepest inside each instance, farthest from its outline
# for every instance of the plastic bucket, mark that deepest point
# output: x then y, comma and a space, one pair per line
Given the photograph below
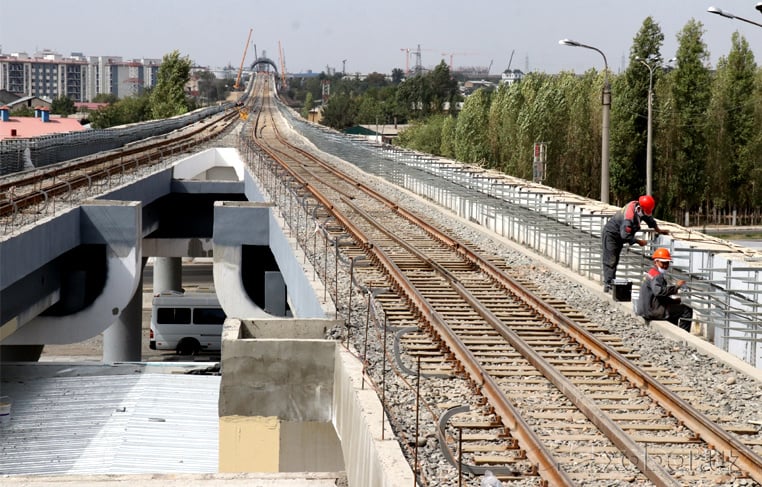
5, 410
622, 290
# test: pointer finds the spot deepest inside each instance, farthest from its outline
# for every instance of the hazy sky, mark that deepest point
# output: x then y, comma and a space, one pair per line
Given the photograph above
368, 35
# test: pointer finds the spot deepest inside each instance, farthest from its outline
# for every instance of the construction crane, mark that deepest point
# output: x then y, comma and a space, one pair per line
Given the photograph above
406, 50
237, 84
510, 61
417, 52
282, 66
451, 54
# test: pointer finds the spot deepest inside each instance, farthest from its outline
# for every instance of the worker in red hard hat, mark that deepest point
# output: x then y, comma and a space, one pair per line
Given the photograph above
658, 298
621, 229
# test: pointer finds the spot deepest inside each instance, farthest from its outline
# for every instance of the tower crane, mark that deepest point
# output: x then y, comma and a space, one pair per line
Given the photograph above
451, 54
237, 84
406, 50
282, 65
416, 51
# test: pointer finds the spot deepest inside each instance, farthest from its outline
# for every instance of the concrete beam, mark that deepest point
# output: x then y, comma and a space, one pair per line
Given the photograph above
237, 224
117, 225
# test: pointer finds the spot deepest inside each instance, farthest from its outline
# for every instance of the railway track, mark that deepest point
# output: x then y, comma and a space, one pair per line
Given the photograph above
556, 398
36, 192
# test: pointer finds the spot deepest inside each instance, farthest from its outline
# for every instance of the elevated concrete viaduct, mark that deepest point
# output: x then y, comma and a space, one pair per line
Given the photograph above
78, 274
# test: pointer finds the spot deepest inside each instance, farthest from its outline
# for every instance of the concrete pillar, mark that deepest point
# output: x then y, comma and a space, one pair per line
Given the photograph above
275, 293
122, 341
167, 274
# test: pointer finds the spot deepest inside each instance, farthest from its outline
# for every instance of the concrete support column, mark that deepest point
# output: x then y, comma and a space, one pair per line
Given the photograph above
167, 274
275, 293
122, 341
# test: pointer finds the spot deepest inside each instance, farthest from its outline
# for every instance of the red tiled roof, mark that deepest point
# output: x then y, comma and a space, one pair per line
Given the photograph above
34, 127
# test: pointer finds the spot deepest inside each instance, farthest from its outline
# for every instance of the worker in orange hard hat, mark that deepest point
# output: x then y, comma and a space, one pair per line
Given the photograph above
658, 298
621, 229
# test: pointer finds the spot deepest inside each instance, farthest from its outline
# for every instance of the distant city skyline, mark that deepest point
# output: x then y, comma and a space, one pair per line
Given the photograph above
363, 37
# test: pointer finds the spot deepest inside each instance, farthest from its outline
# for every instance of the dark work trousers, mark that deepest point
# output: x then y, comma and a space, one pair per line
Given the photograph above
612, 249
677, 310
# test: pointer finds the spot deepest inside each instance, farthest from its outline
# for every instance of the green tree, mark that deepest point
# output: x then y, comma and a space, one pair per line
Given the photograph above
424, 135
572, 133
308, 104
23, 111
128, 110
443, 89
429, 93
105, 98
471, 130
733, 129
447, 144
630, 116
683, 180
375, 80
63, 105
369, 110
340, 111
397, 76
167, 98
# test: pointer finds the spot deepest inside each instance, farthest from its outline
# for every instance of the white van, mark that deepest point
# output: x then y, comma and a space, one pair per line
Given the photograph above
186, 322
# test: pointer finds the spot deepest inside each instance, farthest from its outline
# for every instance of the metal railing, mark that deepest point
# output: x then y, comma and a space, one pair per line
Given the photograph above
724, 285
23, 154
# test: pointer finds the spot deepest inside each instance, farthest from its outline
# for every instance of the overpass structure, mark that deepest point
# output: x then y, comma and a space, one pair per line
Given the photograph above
289, 400
71, 276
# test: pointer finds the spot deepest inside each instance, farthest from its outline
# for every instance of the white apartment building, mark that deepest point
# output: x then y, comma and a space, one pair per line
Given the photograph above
49, 75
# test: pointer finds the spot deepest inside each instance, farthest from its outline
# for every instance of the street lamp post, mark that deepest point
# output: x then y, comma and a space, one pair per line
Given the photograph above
606, 101
649, 142
728, 15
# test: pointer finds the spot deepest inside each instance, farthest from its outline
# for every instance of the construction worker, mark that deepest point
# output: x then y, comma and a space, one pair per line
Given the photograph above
621, 229
658, 298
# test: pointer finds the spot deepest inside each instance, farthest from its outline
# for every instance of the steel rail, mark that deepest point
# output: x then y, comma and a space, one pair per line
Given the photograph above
657, 474
741, 455
100, 166
703, 427
546, 463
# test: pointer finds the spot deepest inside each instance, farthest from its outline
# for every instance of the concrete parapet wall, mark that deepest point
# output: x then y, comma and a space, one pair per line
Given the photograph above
290, 405
289, 379
275, 398
287, 328
359, 419
267, 444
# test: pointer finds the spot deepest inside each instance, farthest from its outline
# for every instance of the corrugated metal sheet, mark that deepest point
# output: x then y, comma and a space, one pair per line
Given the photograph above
137, 423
